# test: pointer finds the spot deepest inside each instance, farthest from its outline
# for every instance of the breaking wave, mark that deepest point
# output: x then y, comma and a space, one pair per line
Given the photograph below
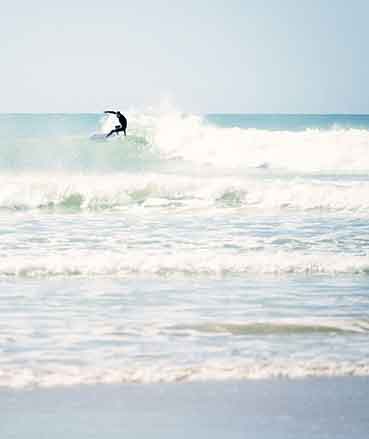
154, 138
98, 192
158, 373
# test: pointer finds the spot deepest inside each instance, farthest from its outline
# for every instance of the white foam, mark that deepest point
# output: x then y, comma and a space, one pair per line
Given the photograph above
132, 263
106, 191
245, 370
313, 150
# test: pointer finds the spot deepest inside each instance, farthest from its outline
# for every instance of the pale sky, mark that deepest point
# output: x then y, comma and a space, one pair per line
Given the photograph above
252, 56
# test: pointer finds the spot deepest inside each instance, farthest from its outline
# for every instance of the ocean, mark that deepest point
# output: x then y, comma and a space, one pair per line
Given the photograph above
198, 248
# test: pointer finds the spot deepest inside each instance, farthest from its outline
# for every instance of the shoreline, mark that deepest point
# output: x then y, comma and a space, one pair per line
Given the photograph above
279, 408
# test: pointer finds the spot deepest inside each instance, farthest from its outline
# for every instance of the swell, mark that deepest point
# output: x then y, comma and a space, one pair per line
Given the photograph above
278, 328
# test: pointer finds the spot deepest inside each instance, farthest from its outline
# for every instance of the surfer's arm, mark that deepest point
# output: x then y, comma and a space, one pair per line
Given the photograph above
110, 112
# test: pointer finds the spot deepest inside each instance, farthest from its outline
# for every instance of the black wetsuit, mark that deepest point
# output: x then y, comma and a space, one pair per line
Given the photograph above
122, 121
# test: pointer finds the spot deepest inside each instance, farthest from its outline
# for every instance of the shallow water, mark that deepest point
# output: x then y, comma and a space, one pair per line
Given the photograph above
229, 246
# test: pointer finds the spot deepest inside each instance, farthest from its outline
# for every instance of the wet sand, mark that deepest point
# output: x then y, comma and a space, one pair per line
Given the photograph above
306, 408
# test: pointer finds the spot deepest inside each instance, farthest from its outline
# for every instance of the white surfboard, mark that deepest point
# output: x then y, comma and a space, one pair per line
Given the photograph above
98, 137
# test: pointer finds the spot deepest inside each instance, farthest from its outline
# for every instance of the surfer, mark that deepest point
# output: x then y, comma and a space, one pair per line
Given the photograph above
122, 121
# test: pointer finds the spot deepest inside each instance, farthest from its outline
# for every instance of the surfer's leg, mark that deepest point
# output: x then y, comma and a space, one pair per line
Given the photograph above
119, 129
111, 132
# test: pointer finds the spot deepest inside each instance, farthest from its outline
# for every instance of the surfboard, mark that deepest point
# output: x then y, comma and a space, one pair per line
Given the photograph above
98, 137
131, 138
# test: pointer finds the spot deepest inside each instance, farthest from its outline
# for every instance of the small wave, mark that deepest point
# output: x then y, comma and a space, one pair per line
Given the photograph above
247, 370
181, 264
278, 328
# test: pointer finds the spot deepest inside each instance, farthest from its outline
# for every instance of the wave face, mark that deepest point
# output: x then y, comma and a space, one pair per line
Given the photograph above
197, 248
62, 142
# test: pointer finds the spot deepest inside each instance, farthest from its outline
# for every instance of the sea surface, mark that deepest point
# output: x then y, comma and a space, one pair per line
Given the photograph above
213, 247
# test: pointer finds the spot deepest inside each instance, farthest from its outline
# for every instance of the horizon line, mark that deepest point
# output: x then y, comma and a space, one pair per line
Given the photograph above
196, 113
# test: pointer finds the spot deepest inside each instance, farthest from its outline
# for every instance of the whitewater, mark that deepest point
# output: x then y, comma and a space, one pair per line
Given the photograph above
199, 247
